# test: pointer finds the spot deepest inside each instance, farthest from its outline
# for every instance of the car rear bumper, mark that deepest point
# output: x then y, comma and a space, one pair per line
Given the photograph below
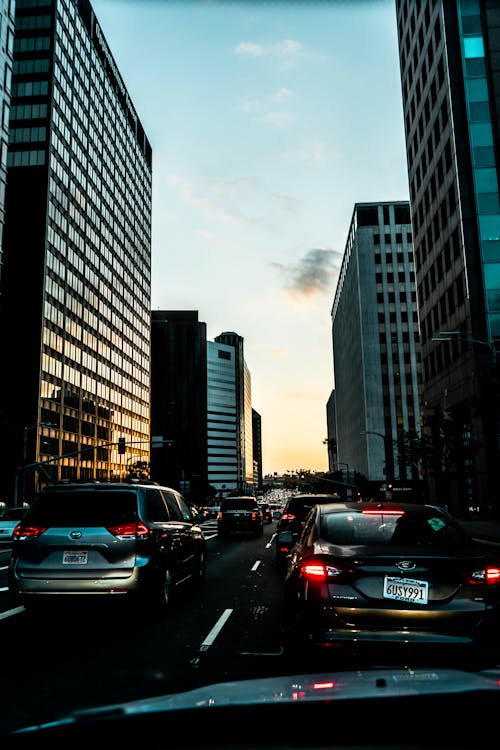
99, 583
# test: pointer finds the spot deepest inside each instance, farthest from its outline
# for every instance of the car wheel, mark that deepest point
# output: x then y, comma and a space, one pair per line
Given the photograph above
201, 568
162, 590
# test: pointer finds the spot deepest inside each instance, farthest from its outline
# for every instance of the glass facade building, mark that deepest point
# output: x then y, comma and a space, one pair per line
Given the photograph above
7, 17
450, 77
76, 300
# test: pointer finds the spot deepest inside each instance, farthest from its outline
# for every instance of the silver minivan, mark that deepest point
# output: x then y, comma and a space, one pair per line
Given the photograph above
130, 540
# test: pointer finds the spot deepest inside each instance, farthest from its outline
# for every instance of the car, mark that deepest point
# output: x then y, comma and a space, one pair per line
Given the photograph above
267, 516
9, 518
387, 574
135, 540
276, 509
291, 520
239, 515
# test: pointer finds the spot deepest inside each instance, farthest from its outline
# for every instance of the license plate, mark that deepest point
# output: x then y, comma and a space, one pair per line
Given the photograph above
75, 557
406, 590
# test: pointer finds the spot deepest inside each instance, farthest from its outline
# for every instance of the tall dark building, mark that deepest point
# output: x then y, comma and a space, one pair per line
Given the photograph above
7, 17
450, 74
75, 284
179, 401
257, 448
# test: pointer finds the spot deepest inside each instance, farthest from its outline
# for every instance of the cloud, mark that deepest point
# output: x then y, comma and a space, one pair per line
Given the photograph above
204, 234
279, 118
257, 105
313, 152
208, 206
287, 52
312, 274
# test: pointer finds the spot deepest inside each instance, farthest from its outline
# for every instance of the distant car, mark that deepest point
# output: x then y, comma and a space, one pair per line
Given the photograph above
239, 515
276, 510
393, 574
137, 541
9, 518
267, 516
292, 519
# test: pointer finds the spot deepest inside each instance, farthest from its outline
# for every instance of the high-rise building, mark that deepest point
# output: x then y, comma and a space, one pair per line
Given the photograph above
376, 349
7, 17
243, 410
179, 402
222, 423
257, 448
75, 286
450, 75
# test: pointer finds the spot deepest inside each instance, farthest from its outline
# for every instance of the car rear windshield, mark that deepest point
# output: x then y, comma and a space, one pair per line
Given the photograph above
82, 509
12, 514
300, 506
239, 503
391, 528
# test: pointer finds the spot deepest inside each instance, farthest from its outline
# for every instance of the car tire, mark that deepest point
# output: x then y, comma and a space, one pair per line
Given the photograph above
201, 568
161, 591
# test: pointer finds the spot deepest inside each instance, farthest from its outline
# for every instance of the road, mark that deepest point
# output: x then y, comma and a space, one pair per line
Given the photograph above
84, 656
231, 628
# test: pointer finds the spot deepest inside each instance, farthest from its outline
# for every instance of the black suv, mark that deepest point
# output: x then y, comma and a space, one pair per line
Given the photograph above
239, 515
136, 541
292, 520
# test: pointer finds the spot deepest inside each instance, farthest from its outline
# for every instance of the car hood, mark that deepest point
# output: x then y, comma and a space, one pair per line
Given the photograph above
350, 686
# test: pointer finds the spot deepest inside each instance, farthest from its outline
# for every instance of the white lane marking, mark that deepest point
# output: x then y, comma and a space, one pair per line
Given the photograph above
216, 630
4, 567
11, 612
270, 542
256, 565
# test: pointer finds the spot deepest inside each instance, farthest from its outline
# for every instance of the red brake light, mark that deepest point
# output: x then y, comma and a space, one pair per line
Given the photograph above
137, 530
489, 575
492, 575
28, 532
382, 512
314, 571
287, 517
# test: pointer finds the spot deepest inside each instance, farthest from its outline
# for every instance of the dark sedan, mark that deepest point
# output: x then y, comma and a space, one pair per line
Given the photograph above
291, 521
390, 573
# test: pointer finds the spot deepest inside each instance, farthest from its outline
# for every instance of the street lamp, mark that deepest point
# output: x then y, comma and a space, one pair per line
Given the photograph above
20, 469
453, 335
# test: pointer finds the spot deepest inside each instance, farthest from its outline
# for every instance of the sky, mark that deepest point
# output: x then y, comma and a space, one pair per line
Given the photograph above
268, 121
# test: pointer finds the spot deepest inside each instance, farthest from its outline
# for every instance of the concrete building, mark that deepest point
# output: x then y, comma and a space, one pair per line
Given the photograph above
375, 347
75, 304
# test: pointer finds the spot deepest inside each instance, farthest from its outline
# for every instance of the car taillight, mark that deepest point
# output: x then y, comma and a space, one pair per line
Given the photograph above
287, 517
489, 575
28, 532
219, 516
318, 571
137, 530
492, 575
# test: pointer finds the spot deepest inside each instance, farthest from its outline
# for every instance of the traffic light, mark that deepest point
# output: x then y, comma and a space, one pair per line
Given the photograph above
121, 445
